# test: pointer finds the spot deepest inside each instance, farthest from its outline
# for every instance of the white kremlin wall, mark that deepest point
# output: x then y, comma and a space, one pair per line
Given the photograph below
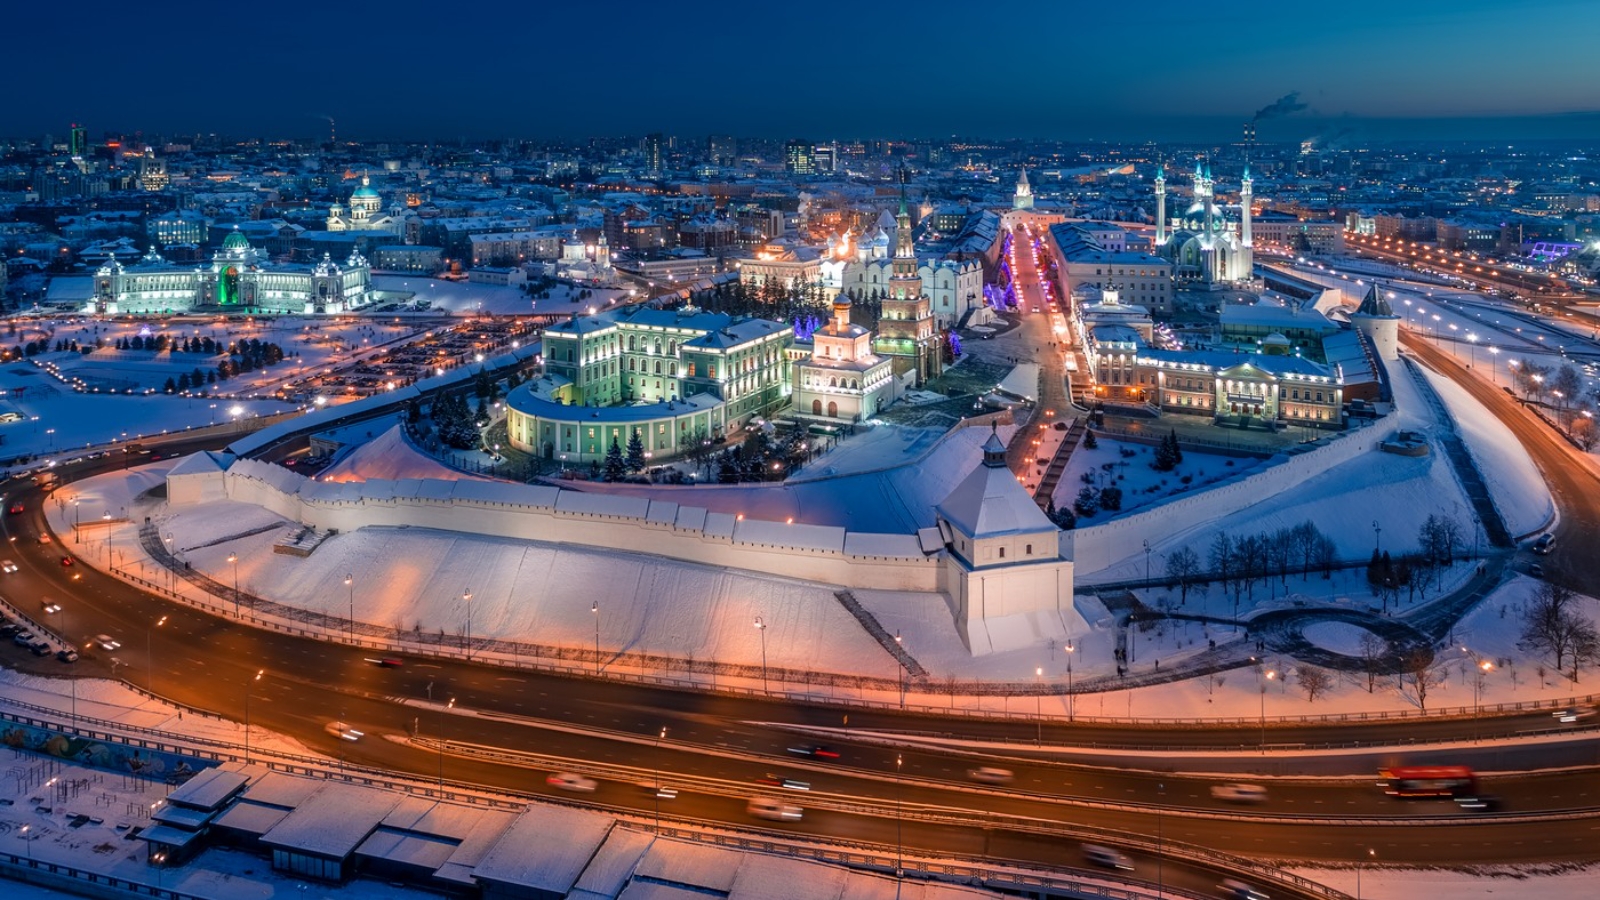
890, 562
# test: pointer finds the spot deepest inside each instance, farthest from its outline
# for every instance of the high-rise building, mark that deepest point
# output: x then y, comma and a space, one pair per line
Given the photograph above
825, 159
652, 151
722, 149
78, 143
799, 157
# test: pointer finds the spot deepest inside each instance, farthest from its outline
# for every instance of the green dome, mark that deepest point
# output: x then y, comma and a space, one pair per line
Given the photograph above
365, 190
236, 241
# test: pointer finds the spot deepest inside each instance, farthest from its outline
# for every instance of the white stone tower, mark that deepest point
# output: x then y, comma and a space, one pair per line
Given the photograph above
1024, 196
1247, 247
1376, 319
1161, 207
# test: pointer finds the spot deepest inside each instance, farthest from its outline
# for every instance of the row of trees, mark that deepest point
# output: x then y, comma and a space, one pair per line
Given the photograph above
1438, 540
1238, 564
1553, 626
1561, 388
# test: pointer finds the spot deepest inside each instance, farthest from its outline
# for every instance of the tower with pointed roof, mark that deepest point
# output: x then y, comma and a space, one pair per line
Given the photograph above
1375, 319
1161, 206
1023, 199
1008, 586
907, 328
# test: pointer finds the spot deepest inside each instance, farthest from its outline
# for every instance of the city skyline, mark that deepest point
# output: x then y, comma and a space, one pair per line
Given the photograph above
1435, 71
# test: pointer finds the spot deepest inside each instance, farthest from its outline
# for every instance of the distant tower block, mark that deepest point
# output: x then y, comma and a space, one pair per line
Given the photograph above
1376, 319
1161, 207
1023, 198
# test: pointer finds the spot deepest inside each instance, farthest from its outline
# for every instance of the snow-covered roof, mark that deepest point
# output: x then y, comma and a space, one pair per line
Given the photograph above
209, 788
390, 455
989, 502
527, 855
206, 462
333, 821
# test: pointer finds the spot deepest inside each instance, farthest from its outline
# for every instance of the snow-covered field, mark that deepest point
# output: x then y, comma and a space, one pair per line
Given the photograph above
474, 298
55, 419
1513, 480
1127, 465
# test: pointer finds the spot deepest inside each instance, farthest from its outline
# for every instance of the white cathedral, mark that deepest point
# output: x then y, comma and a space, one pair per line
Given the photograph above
1203, 244
365, 212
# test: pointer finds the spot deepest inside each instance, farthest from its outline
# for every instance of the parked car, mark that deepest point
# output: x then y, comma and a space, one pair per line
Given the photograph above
41, 648
23, 638
572, 781
67, 655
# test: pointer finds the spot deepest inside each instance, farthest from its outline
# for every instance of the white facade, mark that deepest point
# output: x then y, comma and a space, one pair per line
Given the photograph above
238, 278
843, 379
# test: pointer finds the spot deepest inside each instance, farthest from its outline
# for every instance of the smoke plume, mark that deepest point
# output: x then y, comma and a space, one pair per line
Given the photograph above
1277, 109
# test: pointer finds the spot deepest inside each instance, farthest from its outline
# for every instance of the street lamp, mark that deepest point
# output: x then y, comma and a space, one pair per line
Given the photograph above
1494, 364
149, 657
1263, 685
1377, 536
1360, 862
77, 532
466, 598
1484, 668
350, 582
659, 738
1072, 699
761, 626
595, 608
1146, 563
247, 686
234, 558
1038, 706
27, 842
900, 661
899, 821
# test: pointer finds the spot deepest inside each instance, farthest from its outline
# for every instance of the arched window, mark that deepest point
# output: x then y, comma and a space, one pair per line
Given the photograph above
658, 367
833, 382
631, 362
816, 407
833, 410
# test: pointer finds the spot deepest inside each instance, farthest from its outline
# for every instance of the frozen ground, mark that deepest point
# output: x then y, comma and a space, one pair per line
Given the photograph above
474, 298
56, 419
1514, 482
1127, 465
1554, 882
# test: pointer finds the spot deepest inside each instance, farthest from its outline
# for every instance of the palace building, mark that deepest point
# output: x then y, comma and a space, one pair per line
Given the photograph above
671, 375
239, 279
842, 378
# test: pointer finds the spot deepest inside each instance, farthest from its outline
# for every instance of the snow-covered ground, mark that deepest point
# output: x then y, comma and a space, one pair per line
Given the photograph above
1519, 492
474, 298
56, 419
1127, 465
1379, 882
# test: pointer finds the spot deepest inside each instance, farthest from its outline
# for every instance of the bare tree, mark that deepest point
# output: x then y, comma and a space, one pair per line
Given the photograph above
1313, 681
1423, 672
1584, 433
1374, 650
1183, 569
1550, 625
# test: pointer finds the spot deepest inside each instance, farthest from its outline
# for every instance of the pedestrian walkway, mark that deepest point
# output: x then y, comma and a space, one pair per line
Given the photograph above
1461, 461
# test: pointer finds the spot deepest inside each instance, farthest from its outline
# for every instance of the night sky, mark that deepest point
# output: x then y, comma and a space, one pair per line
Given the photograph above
1066, 69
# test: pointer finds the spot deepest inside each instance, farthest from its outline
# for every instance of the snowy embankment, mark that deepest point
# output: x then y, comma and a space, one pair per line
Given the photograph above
1514, 482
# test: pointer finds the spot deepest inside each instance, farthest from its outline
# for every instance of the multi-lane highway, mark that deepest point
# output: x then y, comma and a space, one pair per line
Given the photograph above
720, 746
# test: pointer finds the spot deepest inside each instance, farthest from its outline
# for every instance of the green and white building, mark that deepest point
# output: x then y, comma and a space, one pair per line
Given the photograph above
668, 374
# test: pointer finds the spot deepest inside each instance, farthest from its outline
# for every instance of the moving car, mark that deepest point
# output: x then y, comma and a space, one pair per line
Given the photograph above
1107, 857
51, 607
107, 642
1239, 793
773, 810
66, 561
1544, 544
343, 731
1573, 714
8, 566
16, 509
387, 662
1234, 889
814, 751
572, 781
990, 775
659, 791
790, 783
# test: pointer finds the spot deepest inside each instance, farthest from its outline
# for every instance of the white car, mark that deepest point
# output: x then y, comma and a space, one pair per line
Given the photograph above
8, 567
51, 607
1239, 793
107, 643
773, 810
1573, 714
1107, 857
990, 775
343, 731
572, 781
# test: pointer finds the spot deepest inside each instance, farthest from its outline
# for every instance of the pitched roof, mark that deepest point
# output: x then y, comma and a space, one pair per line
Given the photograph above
989, 502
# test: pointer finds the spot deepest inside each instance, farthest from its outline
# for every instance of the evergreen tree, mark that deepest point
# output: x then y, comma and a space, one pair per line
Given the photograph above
1111, 499
211, 376
183, 381
481, 417
171, 387
1166, 455
635, 452
1090, 442
1088, 502
1177, 451
615, 468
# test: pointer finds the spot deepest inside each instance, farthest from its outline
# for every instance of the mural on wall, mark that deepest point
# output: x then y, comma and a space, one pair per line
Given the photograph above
141, 761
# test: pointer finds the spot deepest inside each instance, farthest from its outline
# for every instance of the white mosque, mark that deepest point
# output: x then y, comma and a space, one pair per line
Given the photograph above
1203, 244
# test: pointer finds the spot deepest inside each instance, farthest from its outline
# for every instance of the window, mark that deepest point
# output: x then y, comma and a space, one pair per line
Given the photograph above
1030, 550
1002, 553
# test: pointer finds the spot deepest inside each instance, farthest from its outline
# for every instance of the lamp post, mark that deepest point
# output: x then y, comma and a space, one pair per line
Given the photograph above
1038, 706
1146, 563
1484, 668
761, 626
247, 686
900, 663
659, 738
234, 559
899, 822
1360, 863
77, 532
1161, 881
595, 608
149, 657
1377, 536
1270, 675
466, 599
1472, 344
27, 842
447, 706
1494, 365
1072, 698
